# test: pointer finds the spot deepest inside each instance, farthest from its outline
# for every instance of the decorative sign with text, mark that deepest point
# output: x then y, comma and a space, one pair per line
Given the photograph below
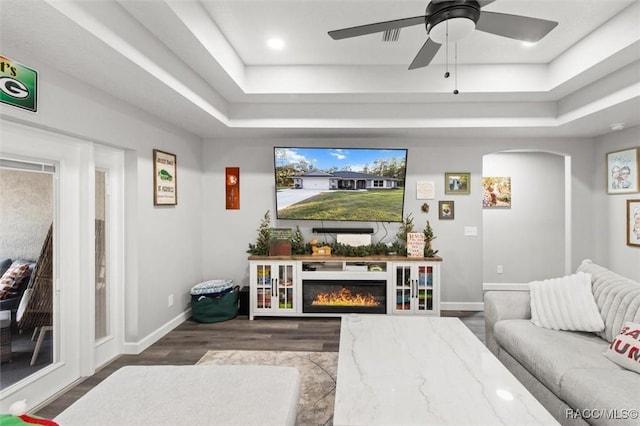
415, 244
18, 85
165, 184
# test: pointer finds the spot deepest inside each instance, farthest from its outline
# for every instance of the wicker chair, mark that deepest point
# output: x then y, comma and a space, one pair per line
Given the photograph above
38, 298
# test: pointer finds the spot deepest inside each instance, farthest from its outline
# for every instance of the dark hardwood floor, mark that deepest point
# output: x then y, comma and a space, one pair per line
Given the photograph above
187, 343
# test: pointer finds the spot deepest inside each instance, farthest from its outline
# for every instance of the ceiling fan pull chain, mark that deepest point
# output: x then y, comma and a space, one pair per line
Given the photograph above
455, 69
446, 48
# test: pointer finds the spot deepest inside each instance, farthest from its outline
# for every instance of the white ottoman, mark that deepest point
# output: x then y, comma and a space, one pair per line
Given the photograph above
190, 395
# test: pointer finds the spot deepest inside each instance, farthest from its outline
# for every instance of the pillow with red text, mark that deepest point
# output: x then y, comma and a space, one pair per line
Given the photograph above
624, 350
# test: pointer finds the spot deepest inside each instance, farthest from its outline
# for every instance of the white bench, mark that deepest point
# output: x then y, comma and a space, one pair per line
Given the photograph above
190, 395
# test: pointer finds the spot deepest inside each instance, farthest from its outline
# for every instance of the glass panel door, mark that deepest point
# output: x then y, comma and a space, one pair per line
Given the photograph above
425, 288
403, 288
27, 213
285, 287
101, 295
108, 286
263, 287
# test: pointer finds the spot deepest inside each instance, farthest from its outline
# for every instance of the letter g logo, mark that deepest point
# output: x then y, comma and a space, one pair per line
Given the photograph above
14, 88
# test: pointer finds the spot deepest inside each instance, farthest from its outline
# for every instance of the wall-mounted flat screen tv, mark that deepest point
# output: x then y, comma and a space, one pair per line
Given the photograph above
341, 184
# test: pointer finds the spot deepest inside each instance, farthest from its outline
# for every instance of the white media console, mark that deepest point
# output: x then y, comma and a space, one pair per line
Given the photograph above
335, 285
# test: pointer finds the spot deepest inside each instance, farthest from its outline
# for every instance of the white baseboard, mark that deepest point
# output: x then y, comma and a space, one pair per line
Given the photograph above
505, 286
461, 306
135, 348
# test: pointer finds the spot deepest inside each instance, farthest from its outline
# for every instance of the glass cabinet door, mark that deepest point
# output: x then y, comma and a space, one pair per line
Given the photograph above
285, 287
403, 283
424, 294
263, 286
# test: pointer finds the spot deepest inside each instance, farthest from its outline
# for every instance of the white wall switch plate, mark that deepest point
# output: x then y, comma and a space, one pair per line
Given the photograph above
470, 231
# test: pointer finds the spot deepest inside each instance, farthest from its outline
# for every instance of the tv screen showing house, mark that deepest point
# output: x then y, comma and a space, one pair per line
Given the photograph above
341, 184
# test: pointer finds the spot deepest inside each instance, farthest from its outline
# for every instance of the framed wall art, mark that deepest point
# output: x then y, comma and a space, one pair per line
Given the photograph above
232, 188
622, 171
633, 223
457, 183
165, 184
446, 210
496, 192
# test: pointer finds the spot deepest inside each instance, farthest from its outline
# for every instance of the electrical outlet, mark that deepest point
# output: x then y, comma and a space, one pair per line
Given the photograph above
499, 269
170, 303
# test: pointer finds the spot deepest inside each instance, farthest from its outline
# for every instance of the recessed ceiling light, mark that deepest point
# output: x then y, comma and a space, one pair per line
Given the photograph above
616, 126
275, 43
528, 43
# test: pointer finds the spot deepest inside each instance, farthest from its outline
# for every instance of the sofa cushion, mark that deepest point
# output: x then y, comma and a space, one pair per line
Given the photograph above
549, 354
591, 391
4, 265
617, 297
12, 278
624, 350
565, 304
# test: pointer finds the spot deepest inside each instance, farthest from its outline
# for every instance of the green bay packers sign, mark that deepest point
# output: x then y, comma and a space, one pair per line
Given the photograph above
18, 85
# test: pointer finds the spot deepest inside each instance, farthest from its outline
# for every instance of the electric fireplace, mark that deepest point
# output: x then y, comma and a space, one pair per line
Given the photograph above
344, 296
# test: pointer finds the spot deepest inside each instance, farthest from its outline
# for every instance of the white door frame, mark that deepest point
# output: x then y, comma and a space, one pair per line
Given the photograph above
74, 348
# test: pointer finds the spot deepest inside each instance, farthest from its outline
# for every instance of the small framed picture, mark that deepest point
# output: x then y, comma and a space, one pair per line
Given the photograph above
165, 184
622, 171
496, 192
633, 223
446, 210
457, 183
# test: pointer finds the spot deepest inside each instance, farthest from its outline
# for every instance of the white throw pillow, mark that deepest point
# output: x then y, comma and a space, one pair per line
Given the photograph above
22, 307
624, 350
565, 303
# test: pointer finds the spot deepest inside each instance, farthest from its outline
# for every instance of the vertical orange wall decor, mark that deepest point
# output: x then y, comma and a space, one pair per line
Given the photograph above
232, 184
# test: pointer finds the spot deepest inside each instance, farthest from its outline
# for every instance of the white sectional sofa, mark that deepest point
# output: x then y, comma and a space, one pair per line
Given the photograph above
566, 370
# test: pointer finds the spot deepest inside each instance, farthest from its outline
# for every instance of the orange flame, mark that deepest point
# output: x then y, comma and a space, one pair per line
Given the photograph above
344, 297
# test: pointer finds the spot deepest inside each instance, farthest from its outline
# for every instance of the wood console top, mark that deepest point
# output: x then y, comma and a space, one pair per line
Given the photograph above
349, 259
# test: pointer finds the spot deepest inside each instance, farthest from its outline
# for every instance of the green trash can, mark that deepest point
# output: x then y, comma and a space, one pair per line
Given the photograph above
214, 301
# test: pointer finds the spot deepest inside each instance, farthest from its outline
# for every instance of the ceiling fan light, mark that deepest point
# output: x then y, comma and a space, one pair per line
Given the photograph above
458, 28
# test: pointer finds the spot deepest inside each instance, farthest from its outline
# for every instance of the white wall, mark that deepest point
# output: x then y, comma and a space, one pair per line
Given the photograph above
528, 239
610, 245
228, 233
164, 244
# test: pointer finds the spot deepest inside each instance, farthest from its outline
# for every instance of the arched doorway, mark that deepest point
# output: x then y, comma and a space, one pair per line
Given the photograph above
530, 239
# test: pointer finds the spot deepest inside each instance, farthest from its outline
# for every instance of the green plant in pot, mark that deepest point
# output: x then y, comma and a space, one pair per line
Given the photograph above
261, 247
298, 246
428, 238
400, 245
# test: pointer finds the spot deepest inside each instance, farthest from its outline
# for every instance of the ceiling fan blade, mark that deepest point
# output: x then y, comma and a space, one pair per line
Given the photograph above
376, 28
425, 55
514, 26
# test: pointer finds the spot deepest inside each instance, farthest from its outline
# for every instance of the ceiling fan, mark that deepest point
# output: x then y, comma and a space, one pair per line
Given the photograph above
452, 20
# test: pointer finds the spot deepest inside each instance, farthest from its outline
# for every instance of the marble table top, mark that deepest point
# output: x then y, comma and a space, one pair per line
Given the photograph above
401, 370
